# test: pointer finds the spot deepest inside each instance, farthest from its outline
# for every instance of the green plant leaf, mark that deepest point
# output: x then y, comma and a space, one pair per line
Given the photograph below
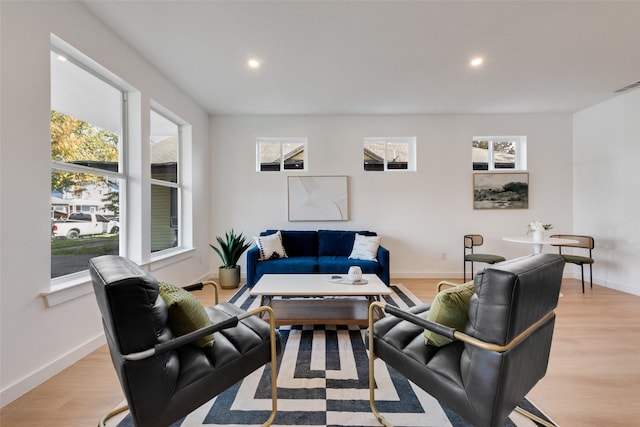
230, 248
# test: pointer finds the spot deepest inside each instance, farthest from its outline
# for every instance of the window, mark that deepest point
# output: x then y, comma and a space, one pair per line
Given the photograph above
86, 165
499, 152
278, 154
165, 142
388, 154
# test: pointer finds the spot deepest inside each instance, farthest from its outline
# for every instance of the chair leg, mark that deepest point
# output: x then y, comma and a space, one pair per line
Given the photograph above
103, 421
372, 358
591, 274
534, 418
274, 361
582, 268
464, 271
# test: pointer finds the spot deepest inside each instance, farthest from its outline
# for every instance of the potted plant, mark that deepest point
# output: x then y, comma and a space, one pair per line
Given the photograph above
231, 247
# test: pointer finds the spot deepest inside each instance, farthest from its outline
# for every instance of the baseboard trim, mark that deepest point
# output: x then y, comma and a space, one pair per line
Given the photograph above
19, 388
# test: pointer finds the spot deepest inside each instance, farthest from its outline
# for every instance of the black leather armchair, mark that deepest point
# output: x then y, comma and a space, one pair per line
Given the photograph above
163, 377
488, 369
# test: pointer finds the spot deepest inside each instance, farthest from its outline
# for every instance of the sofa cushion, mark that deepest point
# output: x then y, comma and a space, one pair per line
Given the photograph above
270, 246
365, 247
298, 243
450, 307
340, 264
337, 242
293, 265
186, 312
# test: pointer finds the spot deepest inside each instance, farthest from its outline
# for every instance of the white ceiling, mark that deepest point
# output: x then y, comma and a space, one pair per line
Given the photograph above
385, 57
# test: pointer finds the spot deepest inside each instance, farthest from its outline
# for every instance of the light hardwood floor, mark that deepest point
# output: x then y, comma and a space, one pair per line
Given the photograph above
593, 378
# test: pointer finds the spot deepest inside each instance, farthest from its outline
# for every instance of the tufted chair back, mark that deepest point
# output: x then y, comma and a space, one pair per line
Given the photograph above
509, 298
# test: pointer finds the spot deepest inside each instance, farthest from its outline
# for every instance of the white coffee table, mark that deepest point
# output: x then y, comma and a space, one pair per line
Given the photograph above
326, 302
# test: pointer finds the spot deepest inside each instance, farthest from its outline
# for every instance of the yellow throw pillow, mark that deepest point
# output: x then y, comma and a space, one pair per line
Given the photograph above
450, 307
186, 313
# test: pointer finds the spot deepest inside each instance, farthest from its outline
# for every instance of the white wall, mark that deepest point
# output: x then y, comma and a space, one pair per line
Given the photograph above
606, 189
37, 342
421, 215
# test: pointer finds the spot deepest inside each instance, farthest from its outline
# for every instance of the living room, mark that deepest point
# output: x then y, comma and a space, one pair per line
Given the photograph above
574, 183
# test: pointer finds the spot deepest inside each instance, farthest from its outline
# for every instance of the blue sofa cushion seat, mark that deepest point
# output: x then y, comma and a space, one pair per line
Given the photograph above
340, 264
291, 265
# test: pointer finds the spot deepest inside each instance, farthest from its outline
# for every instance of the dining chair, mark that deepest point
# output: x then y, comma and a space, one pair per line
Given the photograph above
584, 242
471, 241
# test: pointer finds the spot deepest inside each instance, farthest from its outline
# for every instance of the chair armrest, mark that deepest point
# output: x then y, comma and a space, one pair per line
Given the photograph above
446, 283
439, 329
197, 334
452, 333
200, 286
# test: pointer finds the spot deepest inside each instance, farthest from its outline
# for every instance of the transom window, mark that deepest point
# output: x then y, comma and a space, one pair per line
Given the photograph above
389, 154
499, 152
280, 154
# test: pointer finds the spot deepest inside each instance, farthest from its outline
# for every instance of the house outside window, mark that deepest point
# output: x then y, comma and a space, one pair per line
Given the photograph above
165, 140
281, 154
390, 154
499, 152
86, 165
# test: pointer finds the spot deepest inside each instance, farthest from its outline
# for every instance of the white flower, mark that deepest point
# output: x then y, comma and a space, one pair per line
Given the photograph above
538, 226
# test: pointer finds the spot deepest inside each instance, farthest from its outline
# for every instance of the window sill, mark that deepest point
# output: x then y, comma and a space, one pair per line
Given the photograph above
67, 290
79, 284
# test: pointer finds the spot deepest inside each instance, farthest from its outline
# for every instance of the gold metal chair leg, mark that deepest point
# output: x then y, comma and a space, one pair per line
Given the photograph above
372, 357
274, 361
113, 413
534, 417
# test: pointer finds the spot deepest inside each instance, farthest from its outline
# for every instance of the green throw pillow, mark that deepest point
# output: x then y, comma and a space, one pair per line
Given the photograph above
450, 307
186, 313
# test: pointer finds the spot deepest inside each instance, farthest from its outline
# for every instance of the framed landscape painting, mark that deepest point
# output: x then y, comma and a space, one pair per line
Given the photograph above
318, 198
501, 190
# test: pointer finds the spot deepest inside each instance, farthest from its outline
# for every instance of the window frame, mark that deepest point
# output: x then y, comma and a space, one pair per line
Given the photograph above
171, 117
520, 157
282, 164
58, 47
411, 142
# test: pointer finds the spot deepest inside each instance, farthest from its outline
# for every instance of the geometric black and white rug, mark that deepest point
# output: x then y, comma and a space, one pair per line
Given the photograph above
323, 381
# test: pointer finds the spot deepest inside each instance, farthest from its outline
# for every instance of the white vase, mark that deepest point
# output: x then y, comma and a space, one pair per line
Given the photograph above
355, 273
537, 236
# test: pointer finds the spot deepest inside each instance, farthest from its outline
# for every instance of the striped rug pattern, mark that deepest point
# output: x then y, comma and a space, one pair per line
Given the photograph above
323, 381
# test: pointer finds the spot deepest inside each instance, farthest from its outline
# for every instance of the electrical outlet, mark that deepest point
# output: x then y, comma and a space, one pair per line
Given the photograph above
443, 256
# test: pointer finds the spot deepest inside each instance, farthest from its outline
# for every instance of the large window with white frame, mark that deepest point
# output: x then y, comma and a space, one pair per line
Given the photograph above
390, 154
499, 152
281, 154
166, 186
87, 176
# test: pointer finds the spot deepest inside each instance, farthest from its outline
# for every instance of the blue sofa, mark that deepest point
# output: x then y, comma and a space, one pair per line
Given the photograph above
323, 251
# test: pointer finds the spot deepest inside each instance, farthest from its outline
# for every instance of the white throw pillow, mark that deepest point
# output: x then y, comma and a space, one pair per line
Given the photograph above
270, 246
365, 247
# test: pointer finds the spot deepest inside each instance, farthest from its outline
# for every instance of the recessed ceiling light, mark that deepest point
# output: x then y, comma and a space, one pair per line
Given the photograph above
253, 63
62, 58
476, 62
